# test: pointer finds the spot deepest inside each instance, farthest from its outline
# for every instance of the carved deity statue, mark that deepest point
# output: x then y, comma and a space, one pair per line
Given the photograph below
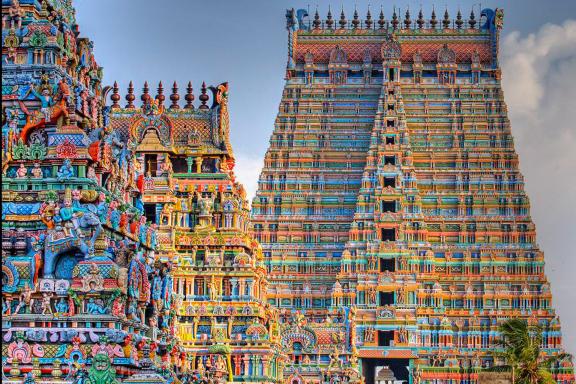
212, 290
101, 371
205, 205
371, 295
46, 305
335, 361
26, 300
22, 172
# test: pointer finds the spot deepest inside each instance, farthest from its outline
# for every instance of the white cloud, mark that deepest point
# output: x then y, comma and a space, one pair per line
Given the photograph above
539, 81
247, 171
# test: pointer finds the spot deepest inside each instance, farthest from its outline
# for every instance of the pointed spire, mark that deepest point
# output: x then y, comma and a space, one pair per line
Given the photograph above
130, 95
342, 21
381, 20
160, 96
174, 97
203, 97
368, 21
420, 20
189, 97
446, 21
395, 21
472, 20
355, 19
433, 21
329, 21
459, 21
115, 96
407, 21
316, 23
145, 96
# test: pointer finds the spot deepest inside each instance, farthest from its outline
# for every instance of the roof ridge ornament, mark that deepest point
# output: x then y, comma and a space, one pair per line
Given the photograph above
391, 49
446, 55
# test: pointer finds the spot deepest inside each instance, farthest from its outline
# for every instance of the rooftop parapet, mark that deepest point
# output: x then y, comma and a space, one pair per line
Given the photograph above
300, 20
473, 41
218, 94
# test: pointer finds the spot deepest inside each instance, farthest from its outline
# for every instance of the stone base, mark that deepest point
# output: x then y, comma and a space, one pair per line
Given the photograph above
494, 378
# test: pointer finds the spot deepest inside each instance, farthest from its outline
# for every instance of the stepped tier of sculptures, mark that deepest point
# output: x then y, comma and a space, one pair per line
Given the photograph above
389, 236
391, 191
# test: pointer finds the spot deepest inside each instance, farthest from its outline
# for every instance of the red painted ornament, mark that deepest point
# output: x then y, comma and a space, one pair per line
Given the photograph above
94, 150
140, 183
66, 150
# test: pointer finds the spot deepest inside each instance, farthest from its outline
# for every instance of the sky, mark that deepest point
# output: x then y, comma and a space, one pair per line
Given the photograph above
245, 43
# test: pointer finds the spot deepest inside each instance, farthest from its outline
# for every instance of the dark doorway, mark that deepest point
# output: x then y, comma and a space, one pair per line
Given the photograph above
390, 160
386, 298
150, 164
385, 338
387, 265
388, 206
388, 234
150, 212
179, 165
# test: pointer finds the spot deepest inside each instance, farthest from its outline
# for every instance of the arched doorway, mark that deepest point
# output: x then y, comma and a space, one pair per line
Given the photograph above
65, 264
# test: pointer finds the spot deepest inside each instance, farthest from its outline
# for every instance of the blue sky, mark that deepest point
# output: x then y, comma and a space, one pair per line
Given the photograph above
244, 43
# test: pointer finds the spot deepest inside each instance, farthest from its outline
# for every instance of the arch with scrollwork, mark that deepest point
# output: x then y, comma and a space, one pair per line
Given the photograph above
295, 378
305, 337
10, 276
160, 123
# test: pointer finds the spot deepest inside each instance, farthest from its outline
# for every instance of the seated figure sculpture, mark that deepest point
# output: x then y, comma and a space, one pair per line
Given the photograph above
94, 308
66, 171
62, 306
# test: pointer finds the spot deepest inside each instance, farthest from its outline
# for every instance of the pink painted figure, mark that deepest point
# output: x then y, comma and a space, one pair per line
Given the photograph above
22, 172
91, 173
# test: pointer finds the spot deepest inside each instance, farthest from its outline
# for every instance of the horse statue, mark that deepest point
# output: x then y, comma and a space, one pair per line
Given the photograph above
295, 19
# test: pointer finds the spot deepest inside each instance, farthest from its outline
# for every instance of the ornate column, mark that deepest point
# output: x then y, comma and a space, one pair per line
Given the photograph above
266, 365
189, 162
246, 360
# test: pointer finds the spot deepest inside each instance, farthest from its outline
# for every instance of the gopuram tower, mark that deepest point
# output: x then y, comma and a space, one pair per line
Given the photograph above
184, 170
85, 299
391, 210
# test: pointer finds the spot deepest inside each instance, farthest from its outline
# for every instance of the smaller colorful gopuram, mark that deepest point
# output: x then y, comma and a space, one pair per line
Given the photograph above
185, 167
84, 298
320, 349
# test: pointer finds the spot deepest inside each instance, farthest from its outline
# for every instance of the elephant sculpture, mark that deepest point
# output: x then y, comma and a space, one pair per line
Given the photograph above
90, 221
60, 241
